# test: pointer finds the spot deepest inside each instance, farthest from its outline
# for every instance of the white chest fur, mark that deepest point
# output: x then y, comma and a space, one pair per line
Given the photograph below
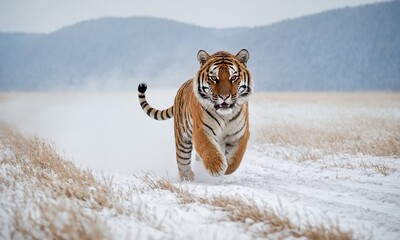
227, 128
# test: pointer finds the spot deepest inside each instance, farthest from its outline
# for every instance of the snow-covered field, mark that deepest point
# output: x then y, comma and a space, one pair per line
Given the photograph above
318, 166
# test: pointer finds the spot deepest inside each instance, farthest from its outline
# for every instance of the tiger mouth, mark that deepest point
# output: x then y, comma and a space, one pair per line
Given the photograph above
223, 105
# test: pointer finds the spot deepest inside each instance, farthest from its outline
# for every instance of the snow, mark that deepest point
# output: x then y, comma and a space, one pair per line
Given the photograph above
108, 133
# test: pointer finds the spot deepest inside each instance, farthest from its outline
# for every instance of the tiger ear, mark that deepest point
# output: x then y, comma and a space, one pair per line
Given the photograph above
243, 55
202, 56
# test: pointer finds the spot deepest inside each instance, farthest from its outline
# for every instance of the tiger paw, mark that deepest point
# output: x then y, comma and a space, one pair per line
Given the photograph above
189, 176
216, 168
231, 168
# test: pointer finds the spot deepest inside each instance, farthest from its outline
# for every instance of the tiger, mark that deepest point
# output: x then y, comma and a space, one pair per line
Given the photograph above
210, 113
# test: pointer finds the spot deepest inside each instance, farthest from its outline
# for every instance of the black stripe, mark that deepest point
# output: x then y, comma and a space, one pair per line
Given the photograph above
221, 62
203, 95
190, 123
245, 94
199, 88
212, 116
190, 130
149, 110
185, 164
169, 116
180, 150
144, 104
236, 116
189, 135
247, 73
240, 71
162, 115
182, 157
181, 145
142, 96
155, 115
212, 130
238, 130
186, 122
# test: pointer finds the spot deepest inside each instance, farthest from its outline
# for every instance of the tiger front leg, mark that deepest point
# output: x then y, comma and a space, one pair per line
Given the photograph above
210, 153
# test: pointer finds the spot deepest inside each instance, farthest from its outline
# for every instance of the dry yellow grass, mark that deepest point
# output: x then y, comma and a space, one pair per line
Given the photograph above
314, 125
57, 220
40, 162
52, 192
238, 209
355, 137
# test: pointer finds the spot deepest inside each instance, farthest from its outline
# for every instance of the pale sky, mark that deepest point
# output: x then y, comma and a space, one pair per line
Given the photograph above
45, 16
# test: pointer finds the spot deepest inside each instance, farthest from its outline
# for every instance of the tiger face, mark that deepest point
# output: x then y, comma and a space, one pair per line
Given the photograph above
223, 81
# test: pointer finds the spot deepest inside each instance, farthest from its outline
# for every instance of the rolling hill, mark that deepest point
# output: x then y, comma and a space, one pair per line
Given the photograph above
344, 49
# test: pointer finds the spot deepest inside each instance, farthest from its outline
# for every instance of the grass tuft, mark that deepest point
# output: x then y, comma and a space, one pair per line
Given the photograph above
40, 162
246, 211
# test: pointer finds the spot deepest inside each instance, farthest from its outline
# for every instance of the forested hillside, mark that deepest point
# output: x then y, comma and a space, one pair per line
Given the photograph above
345, 49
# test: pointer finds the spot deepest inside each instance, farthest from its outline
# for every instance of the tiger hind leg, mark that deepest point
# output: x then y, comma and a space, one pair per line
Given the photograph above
183, 159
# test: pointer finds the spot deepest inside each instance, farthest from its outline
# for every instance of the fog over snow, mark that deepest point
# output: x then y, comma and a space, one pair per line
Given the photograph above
107, 133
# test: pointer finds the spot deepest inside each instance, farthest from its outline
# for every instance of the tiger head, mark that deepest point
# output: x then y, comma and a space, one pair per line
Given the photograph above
223, 81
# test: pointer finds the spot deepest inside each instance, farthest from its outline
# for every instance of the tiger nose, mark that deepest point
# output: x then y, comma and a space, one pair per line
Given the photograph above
224, 97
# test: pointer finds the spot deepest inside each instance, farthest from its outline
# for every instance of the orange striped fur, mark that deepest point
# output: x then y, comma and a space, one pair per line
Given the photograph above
210, 114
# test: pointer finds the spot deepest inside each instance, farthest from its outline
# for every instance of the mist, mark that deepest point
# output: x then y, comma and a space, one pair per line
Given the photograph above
106, 132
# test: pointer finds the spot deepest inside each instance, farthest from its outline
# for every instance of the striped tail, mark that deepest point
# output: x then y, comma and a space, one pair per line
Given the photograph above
152, 112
